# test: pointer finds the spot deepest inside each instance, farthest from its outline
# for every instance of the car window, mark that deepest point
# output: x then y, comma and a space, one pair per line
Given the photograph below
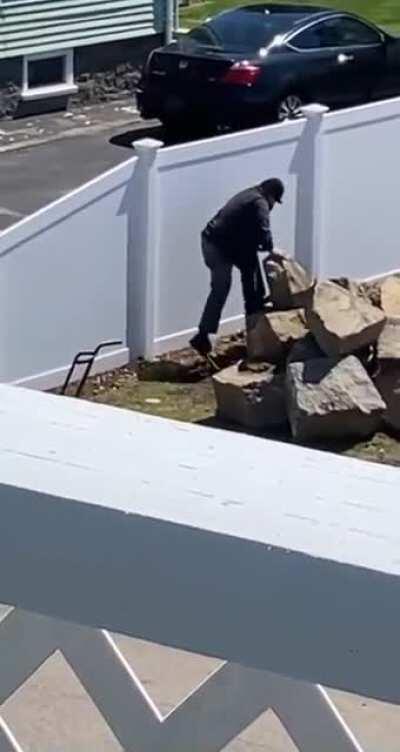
349, 32
336, 32
309, 39
246, 29
203, 36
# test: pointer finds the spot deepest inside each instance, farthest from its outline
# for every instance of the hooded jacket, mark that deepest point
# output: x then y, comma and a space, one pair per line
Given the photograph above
242, 227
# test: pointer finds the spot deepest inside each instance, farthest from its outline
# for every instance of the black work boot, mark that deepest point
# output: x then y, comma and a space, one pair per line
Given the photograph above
201, 343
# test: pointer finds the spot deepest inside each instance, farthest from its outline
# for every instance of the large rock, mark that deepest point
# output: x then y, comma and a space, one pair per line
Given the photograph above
388, 384
341, 320
372, 291
388, 347
384, 292
390, 295
252, 400
271, 335
290, 285
327, 399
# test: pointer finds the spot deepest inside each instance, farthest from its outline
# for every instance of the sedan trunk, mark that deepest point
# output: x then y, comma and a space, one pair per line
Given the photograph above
186, 69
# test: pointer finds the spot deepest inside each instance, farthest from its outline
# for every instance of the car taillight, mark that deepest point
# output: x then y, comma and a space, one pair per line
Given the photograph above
242, 74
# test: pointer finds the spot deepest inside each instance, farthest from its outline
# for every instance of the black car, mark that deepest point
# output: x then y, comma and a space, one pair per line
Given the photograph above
262, 62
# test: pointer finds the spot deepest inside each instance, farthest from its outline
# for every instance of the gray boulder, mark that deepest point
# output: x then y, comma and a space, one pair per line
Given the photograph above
384, 292
371, 291
271, 335
290, 285
390, 295
327, 399
388, 347
341, 320
252, 400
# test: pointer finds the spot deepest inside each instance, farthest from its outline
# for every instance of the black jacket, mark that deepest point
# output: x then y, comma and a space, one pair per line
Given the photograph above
242, 228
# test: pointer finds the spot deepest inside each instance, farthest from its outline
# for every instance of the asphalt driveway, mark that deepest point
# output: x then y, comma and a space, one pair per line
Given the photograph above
33, 177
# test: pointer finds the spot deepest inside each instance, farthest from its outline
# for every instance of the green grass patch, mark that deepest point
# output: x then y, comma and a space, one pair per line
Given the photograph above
385, 13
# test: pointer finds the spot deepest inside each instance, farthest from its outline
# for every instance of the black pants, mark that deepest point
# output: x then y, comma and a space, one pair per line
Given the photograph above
221, 281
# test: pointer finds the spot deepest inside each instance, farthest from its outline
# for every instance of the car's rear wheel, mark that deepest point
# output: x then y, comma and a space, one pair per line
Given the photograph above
289, 107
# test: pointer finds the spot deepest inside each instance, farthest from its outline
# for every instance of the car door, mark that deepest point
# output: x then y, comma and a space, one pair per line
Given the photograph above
388, 85
341, 59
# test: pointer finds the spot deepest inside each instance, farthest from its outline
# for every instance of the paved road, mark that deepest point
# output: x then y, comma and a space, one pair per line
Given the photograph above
34, 177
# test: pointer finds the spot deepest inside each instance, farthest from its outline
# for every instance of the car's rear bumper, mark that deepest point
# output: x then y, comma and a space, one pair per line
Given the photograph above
219, 103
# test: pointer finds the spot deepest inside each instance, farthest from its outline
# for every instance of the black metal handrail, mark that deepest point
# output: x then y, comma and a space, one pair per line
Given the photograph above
85, 357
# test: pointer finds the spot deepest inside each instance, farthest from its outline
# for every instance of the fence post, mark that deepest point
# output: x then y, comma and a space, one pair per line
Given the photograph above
143, 244
310, 190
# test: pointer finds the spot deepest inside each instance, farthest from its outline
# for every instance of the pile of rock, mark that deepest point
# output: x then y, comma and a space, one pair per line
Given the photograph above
326, 360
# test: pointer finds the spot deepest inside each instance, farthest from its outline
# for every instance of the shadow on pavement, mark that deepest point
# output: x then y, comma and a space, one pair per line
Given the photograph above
149, 131
155, 130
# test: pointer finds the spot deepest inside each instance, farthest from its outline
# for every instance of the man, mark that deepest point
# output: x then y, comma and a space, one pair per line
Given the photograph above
234, 237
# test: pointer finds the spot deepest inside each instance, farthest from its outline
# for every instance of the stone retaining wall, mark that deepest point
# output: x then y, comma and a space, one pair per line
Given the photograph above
108, 71
10, 86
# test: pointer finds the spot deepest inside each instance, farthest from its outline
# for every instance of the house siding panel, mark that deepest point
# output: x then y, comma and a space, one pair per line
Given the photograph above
36, 26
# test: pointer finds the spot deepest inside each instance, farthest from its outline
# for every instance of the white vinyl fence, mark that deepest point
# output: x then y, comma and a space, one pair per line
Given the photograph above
360, 188
192, 184
63, 282
120, 258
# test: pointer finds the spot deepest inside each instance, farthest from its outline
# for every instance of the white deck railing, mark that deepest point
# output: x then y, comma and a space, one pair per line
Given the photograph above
271, 557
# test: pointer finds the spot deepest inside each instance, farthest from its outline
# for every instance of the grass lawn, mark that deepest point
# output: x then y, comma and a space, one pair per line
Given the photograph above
386, 13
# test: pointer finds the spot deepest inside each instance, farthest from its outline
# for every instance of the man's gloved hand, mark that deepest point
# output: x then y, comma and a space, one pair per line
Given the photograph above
277, 255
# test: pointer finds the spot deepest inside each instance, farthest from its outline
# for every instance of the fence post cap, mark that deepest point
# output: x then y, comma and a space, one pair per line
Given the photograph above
314, 111
146, 147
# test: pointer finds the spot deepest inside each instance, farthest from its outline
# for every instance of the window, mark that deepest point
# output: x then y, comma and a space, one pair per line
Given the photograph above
46, 71
48, 74
202, 35
352, 33
309, 39
336, 32
245, 29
